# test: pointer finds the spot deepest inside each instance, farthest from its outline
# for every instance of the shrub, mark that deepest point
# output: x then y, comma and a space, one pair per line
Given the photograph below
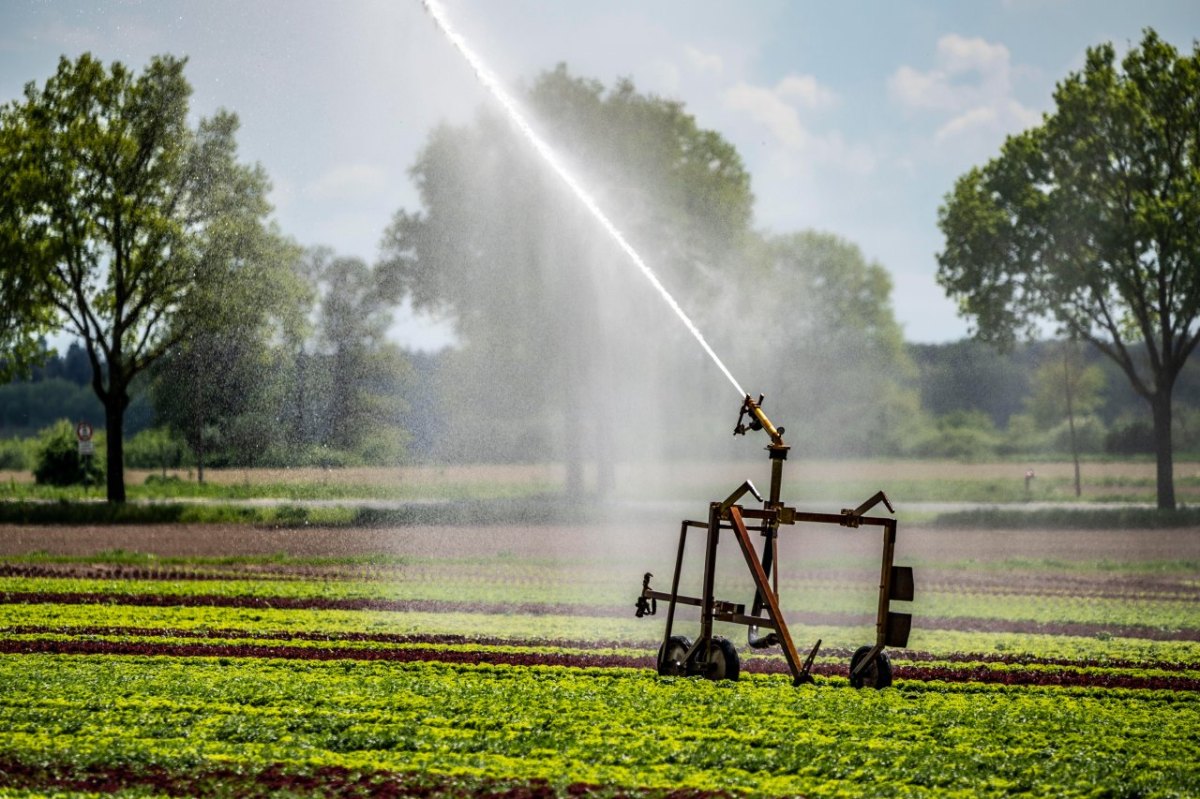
16, 454
1090, 434
1023, 437
1130, 436
963, 435
59, 462
155, 449
1186, 430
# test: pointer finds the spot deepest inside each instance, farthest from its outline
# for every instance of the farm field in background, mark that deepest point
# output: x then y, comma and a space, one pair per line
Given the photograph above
809, 480
471, 661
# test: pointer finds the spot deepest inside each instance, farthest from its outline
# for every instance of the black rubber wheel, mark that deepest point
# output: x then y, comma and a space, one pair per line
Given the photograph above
724, 663
670, 661
878, 674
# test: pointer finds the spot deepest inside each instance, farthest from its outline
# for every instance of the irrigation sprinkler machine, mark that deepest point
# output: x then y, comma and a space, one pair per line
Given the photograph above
715, 657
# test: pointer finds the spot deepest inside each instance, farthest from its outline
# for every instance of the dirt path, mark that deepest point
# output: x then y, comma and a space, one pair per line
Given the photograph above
632, 541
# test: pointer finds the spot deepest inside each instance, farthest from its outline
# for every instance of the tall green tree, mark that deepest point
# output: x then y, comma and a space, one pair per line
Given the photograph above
1090, 220
218, 386
828, 343
348, 383
364, 374
116, 217
553, 322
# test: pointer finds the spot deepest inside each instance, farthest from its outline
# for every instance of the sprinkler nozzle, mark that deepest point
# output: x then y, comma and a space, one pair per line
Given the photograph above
755, 419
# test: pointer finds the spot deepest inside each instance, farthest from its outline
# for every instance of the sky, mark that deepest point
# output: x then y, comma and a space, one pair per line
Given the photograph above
851, 117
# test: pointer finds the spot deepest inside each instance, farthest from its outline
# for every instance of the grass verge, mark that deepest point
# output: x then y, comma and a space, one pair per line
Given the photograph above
1071, 518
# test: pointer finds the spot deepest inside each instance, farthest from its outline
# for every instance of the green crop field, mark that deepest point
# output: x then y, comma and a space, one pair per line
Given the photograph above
508, 662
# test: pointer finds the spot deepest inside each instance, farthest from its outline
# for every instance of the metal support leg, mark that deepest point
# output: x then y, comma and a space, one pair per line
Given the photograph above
764, 588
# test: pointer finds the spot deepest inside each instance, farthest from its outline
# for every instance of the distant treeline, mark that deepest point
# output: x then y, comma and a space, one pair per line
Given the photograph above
960, 384
969, 375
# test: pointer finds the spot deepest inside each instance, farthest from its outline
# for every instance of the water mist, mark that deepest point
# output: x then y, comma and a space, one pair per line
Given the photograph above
548, 155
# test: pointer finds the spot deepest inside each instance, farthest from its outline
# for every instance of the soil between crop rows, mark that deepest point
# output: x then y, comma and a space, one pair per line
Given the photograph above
279, 779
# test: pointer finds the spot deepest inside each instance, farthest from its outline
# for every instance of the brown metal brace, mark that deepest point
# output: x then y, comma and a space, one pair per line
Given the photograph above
765, 591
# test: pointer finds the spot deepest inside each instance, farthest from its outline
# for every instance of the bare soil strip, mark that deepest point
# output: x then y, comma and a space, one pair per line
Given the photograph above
277, 779
650, 542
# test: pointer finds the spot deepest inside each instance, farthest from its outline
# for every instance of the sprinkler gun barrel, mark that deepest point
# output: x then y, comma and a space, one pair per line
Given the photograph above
757, 420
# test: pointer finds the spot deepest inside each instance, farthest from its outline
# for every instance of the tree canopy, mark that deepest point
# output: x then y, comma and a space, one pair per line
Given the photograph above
1089, 221
567, 352
545, 305
828, 344
118, 221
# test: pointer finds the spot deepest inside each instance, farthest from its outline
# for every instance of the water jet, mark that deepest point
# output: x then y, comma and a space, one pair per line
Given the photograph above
710, 655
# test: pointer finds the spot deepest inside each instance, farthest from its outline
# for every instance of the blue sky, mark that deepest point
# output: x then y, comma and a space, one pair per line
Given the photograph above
852, 117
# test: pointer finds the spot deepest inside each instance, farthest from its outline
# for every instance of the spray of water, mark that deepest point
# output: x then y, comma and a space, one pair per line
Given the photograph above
493, 85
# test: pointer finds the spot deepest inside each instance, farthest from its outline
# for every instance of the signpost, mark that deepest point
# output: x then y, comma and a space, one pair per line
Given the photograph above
87, 449
83, 432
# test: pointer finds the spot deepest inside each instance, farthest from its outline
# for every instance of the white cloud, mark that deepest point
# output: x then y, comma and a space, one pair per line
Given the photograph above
972, 82
664, 76
969, 72
771, 111
1008, 115
704, 62
347, 182
806, 91
777, 111
960, 54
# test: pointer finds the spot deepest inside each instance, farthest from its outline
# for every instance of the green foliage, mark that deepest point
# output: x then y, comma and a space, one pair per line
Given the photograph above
1090, 435
59, 462
969, 375
1088, 221
1072, 518
1187, 429
1062, 377
1130, 436
119, 223
949, 726
846, 388
17, 454
552, 315
608, 727
31, 406
154, 449
356, 399
962, 435
66, 512
220, 387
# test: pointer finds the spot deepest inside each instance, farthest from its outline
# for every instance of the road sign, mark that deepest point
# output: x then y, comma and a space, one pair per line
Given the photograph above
83, 431
87, 448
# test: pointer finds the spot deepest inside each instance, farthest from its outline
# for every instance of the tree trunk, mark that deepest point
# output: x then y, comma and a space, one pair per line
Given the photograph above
114, 420
1071, 419
1160, 403
574, 464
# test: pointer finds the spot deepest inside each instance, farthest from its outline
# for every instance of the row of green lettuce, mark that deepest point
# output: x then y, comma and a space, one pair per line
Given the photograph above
624, 633
604, 726
825, 662
576, 589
